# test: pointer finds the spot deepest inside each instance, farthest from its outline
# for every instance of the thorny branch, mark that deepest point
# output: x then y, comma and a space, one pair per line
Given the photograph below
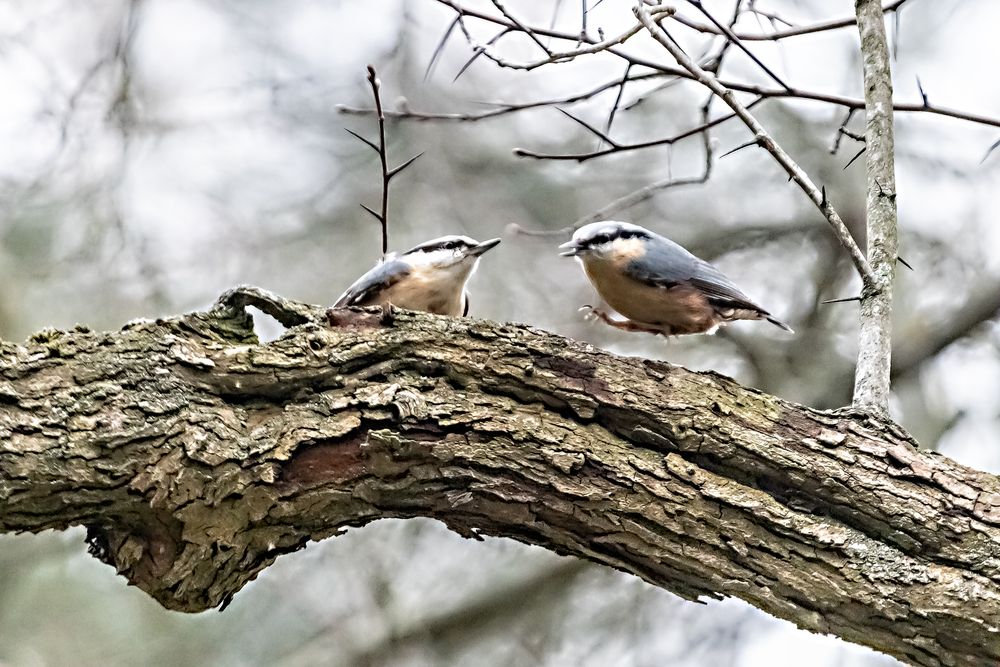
649, 18
387, 174
792, 31
610, 47
642, 194
615, 147
872, 377
511, 25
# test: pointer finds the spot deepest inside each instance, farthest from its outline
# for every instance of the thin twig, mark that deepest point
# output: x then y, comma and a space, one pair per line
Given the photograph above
621, 148
503, 109
387, 174
553, 57
713, 62
523, 28
642, 194
794, 171
732, 37
795, 93
792, 31
842, 132
989, 151
439, 49
618, 98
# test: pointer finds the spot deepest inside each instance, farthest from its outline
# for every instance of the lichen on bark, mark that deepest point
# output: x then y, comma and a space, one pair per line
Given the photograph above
196, 455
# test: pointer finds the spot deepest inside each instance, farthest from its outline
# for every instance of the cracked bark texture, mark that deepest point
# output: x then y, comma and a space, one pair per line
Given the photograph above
196, 455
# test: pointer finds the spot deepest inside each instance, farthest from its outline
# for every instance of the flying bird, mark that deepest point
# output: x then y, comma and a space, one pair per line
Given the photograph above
655, 284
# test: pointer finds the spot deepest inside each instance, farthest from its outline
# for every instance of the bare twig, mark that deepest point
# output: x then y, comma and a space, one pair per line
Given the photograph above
732, 37
791, 31
512, 25
523, 28
642, 194
773, 18
842, 131
713, 61
618, 97
502, 109
609, 46
621, 148
439, 49
478, 49
383, 214
765, 140
872, 376
989, 151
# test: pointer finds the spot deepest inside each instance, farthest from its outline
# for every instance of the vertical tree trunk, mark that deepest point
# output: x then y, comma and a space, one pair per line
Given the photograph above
871, 380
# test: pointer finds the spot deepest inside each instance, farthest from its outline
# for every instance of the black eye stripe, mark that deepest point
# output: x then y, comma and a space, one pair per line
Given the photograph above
443, 245
620, 234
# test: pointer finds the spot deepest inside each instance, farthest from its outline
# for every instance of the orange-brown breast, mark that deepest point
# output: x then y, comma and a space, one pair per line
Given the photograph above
680, 309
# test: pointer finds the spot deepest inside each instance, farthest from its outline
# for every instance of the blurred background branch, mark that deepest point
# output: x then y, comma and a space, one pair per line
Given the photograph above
159, 152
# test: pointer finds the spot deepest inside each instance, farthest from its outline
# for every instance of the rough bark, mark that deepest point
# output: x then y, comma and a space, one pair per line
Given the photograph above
871, 379
195, 456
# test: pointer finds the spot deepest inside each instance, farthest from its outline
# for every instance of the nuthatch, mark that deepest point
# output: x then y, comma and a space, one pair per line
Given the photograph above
656, 284
429, 277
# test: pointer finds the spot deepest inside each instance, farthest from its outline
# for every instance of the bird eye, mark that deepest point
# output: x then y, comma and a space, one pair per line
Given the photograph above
600, 238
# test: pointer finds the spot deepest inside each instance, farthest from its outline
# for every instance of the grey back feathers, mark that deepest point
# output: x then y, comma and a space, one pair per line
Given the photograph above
666, 264
657, 261
380, 277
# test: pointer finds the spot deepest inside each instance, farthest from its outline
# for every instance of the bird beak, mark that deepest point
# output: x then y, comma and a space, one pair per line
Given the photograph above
570, 249
478, 250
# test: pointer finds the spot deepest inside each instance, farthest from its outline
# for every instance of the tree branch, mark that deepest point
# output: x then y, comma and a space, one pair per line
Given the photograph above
871, 379
763, 139
195, 456
822, 26
739, 86
381, 149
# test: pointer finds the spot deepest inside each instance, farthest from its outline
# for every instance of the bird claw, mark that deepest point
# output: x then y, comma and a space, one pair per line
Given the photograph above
590, 313
389, 312
594, 314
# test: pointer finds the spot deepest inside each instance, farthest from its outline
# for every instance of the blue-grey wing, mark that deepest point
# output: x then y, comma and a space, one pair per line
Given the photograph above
720, 290
666, 264
366, 289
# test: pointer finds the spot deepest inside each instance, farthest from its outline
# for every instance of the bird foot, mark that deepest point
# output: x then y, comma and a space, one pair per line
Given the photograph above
625, 325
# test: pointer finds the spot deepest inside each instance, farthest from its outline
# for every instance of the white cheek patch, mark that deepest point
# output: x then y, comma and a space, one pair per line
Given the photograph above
433, 258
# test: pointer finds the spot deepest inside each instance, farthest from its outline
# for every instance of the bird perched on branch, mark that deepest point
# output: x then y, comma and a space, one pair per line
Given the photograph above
658, 286
429, 277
